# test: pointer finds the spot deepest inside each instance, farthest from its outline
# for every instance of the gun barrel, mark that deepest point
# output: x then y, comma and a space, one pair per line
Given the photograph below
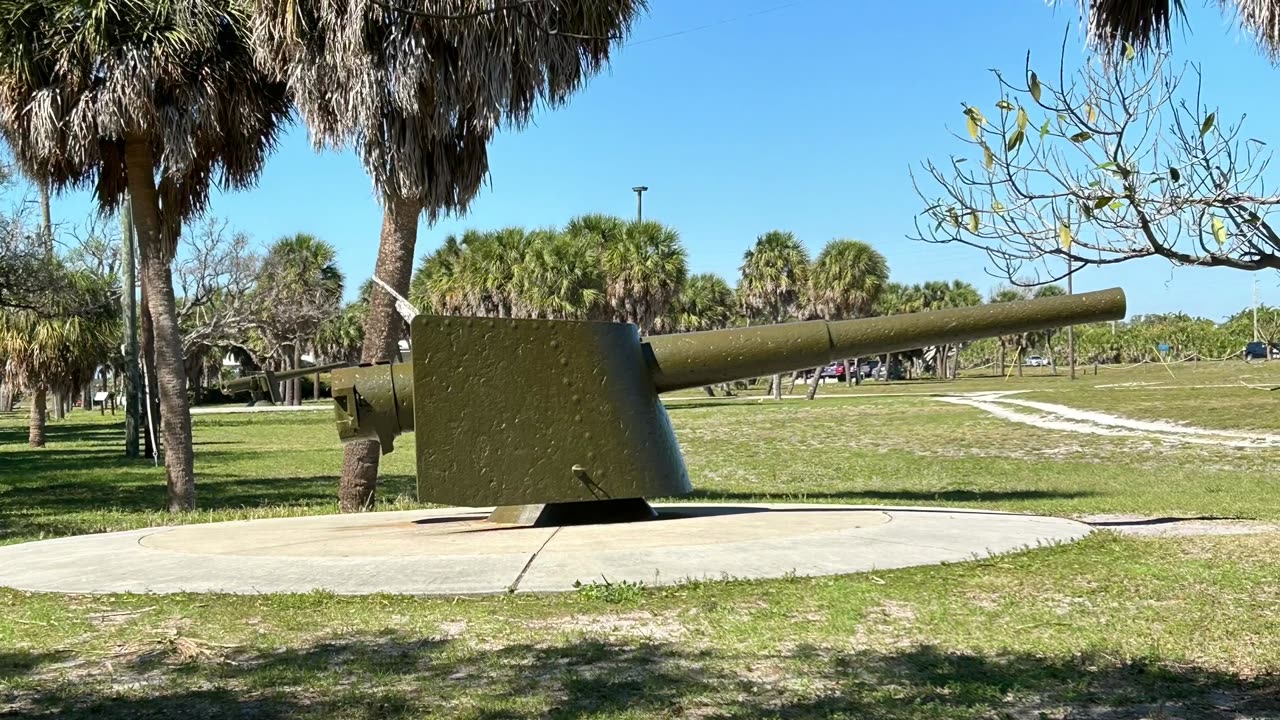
254, 382
688, 360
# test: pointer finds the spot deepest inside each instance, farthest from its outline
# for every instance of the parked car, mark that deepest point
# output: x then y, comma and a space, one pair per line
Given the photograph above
1036, 361
1257, 350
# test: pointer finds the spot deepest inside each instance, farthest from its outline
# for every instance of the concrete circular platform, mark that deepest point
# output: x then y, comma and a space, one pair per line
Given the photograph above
453, 551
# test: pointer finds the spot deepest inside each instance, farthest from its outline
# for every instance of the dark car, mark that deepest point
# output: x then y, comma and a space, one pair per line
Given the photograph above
1257, 350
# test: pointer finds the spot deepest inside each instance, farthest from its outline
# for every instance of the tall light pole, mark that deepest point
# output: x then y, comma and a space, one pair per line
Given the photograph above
639, 190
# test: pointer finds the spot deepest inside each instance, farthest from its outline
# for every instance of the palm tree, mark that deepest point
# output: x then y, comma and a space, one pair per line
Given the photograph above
61, 346
299, 289
1017, 342
959, 294
644, 271
1045, 337
419, 94
845, 282
158, 98
1148, 24
339, 338
605, 229
436, 287
560, 277
705, 303
774, 278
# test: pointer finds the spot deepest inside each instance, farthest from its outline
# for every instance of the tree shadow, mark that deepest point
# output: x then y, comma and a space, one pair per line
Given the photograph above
897, 496
402, 675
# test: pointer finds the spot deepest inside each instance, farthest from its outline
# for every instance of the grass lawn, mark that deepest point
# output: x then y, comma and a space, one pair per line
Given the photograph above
1111, 627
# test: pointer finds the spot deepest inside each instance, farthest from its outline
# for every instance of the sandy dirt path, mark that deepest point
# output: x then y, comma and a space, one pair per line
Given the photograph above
1052, 416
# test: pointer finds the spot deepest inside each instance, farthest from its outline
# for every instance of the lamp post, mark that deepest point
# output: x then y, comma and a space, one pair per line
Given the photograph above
639, 191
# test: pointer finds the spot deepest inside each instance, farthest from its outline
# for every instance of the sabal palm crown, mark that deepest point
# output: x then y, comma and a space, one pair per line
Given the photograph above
419, 91
847, 279
68, 338
1147, 24
299, 285
79, 80
560, 277
705, 303
644, 271
303, 266
775, 276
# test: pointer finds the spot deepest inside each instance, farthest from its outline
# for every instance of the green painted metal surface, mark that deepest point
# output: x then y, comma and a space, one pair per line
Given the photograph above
264, 383
524, 412
373, 402
513, 412
689, 360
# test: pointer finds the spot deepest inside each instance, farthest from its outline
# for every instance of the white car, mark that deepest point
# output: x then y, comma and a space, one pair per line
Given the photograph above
1037, 361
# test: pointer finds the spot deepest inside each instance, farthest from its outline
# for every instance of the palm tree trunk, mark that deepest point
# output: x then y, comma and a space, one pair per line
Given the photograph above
6, 394
357, 488
171, 374
297, 363
813, 383
35, 430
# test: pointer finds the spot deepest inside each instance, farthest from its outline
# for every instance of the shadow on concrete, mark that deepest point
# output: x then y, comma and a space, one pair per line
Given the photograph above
404, 676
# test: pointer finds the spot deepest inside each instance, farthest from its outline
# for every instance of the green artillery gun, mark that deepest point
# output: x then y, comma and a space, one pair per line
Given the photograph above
262, 387
559, 421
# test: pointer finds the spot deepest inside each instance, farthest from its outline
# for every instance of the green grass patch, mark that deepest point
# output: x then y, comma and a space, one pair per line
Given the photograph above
1113, 626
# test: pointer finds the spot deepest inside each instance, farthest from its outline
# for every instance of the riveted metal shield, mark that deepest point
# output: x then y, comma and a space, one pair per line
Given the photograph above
509, 412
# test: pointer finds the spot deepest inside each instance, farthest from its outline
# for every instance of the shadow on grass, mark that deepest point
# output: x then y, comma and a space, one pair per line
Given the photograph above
902, 496
401, 676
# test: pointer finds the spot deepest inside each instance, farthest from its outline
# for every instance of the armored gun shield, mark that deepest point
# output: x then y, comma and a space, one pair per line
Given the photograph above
515, 412
528, 412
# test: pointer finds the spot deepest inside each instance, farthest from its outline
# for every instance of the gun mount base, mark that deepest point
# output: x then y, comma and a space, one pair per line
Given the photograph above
587, 512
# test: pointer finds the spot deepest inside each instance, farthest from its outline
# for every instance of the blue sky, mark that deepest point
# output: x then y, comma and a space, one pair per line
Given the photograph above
804, 116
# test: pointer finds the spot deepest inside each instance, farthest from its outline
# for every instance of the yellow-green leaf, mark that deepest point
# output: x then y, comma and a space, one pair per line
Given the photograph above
1102, 202
997, 206
1207, 125
973, 221
1090, 113
1129, 52
1004, 105
973, 127
1116, 206
1015, 141
1044, 129
1022, 119
1081, 137
1033, 84
953, 216
988, 157
1219, 231
1064, 236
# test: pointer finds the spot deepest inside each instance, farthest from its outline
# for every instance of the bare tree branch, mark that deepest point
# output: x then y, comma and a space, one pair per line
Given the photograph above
1105, 165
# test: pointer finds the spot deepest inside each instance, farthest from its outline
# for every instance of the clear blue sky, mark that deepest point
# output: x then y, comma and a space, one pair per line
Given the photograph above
804, 117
